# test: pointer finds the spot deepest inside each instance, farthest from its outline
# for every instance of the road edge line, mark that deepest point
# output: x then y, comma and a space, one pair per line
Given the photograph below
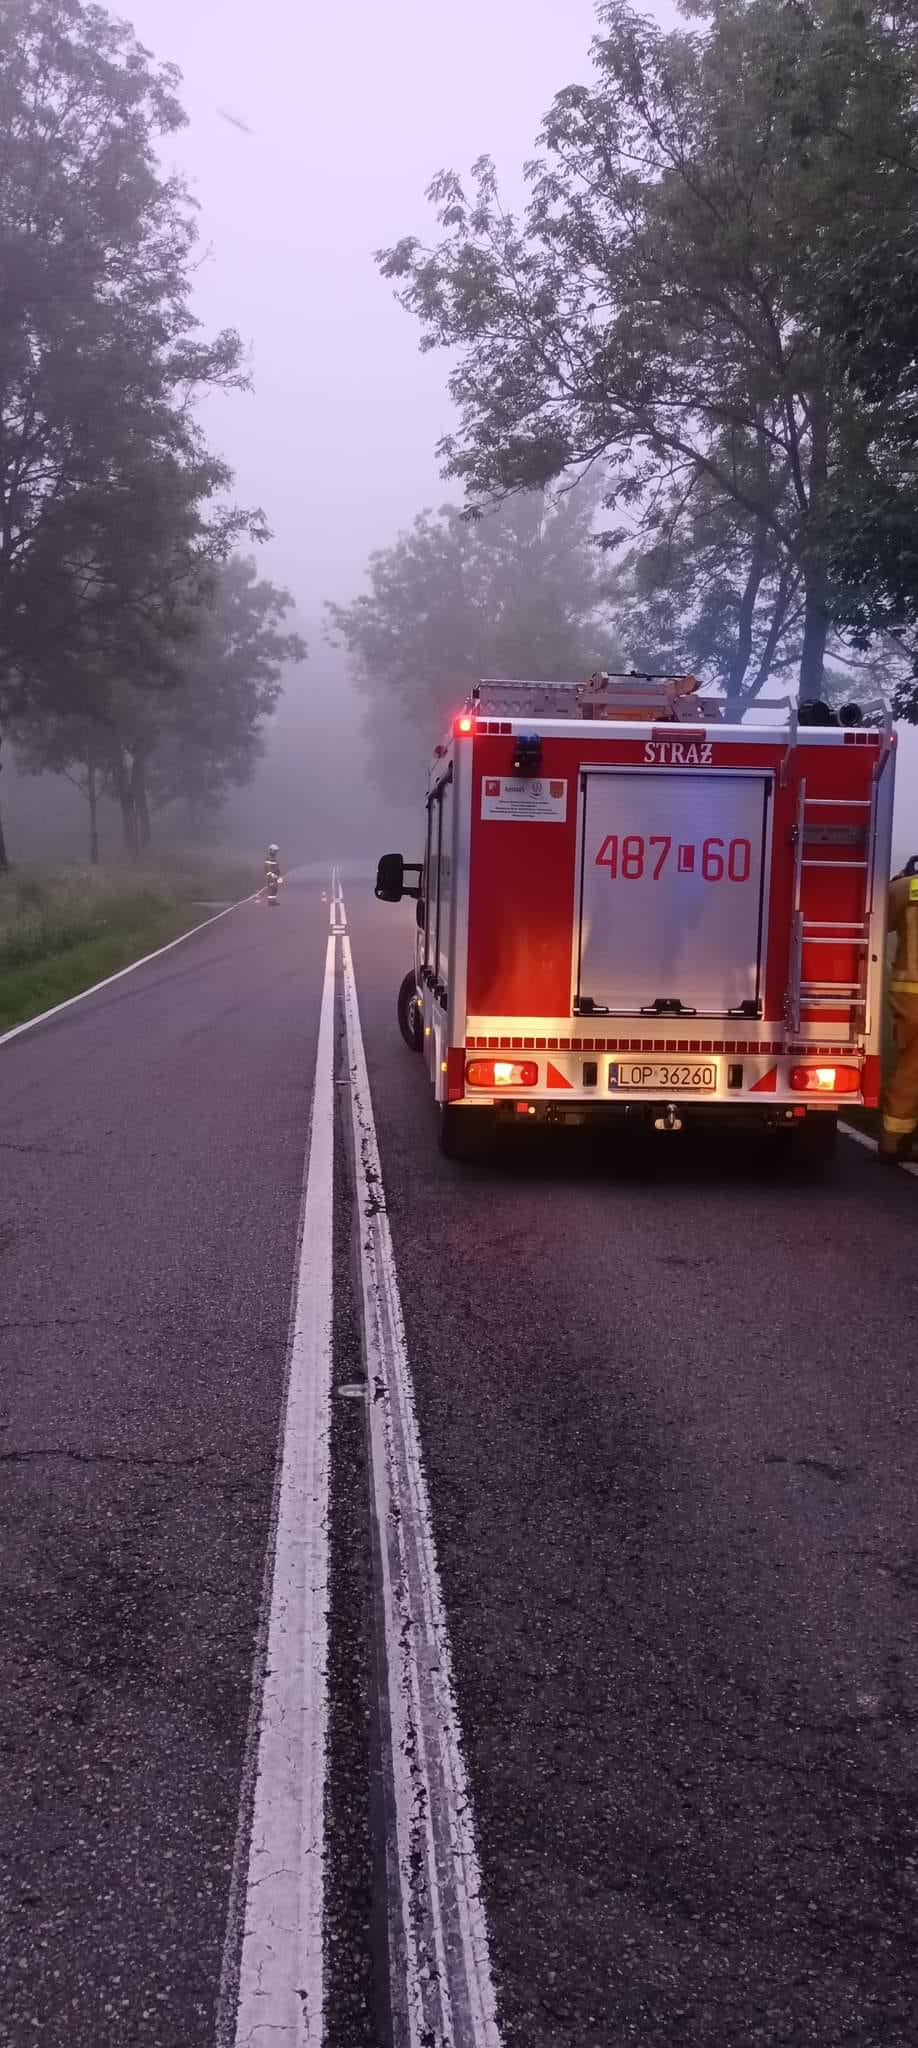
860, 1137
870, 1144
57, 1009
272, 1980
439, 1946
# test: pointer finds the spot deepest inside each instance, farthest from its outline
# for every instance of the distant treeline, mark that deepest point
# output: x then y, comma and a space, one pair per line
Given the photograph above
139, 652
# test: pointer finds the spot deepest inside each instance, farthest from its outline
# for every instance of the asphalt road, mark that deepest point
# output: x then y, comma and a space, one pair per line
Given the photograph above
667, 1407
152, 1143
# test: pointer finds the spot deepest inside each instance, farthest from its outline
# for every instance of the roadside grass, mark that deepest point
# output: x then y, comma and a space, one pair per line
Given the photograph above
63, 928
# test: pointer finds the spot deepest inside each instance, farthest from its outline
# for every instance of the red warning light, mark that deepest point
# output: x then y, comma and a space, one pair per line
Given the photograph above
502, 1074
465, 725
825, 1080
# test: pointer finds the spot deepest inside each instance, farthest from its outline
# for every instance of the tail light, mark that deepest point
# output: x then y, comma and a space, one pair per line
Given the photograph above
825, 1080
502, 1074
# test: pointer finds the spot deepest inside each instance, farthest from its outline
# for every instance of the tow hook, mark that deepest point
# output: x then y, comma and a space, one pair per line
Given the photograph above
669, 1121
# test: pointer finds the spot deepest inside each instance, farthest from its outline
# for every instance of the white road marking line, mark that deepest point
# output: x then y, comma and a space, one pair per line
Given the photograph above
337, 915
864, 1138
43, 1015
860, 1137
281, 1986
440, 1967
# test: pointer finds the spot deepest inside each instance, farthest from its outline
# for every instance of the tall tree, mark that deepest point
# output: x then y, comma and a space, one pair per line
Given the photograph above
191, 740
103, 468
230, 680
659, 303
77, 748
707, 590
871, 522
522, 591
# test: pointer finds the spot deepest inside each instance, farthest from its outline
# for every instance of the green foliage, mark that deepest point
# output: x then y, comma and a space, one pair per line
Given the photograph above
196, 738
104, 475
662, 303
522, 591
871, 515
710, 593
114, 521
210, 739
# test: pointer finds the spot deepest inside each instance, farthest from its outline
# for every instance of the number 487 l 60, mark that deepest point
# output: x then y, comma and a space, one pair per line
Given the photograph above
631, 858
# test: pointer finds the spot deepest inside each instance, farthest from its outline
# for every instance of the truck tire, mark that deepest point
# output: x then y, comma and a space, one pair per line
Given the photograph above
813, 1142
409, 1014
466, 1133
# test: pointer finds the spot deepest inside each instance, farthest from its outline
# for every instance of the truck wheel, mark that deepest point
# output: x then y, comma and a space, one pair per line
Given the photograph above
466, 1133
812, 1143
409, 1014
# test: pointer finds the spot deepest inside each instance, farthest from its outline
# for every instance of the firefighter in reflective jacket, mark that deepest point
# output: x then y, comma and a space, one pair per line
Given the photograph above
900, 1095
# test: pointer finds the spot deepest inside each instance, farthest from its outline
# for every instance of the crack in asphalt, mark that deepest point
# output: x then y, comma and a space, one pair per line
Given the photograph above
45, 1150
157, 1460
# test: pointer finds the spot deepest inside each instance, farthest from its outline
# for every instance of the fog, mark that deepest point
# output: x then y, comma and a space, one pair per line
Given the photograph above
347, 111
353, 108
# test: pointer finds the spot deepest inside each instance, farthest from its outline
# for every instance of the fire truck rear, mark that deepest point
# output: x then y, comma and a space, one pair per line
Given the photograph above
628, 908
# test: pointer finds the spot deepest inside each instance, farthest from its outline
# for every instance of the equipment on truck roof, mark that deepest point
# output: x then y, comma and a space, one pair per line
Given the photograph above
600, 696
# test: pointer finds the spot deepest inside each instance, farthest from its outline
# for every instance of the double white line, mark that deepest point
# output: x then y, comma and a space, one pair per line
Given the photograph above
439, 1964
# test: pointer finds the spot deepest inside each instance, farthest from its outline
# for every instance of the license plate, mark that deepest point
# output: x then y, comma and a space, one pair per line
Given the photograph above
680, 1077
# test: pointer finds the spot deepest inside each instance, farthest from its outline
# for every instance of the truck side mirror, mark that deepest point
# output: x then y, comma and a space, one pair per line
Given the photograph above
391, 878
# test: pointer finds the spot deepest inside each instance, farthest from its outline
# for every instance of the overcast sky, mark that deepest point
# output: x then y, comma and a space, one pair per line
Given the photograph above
355, 104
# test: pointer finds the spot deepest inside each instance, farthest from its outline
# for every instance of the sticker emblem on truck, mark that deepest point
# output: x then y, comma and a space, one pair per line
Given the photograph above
526, 798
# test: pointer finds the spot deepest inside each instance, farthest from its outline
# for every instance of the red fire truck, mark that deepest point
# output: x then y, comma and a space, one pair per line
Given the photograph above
628, 908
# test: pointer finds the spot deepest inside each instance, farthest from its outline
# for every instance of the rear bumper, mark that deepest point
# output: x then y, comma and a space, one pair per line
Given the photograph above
773, 1105
660, 1112
581, 1076
593, 1077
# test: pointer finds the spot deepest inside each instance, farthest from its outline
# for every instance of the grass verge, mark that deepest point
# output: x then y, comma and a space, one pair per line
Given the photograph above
62, 929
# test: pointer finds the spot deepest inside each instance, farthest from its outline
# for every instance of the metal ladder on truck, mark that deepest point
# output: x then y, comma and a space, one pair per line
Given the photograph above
856, 934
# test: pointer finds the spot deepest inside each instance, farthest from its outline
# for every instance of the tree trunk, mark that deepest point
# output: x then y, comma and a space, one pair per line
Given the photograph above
783, 599
815, 581
93, 823
140, 799
815, 635
126, 801
745, 622
92, 798
195, 815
